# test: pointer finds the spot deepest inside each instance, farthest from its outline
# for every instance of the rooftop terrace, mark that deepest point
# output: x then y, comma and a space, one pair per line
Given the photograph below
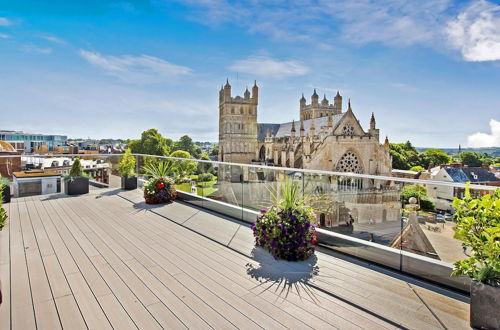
107, 260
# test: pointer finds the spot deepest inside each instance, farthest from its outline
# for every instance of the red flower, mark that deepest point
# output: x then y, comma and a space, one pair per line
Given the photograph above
160, 185
314, 239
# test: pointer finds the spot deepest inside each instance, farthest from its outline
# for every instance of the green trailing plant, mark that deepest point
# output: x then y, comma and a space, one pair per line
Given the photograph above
478, 227
127, 164
3, 213
287, 228
76, 170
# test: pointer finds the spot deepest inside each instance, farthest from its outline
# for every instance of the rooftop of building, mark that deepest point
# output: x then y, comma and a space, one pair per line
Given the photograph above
284, 129
107, 260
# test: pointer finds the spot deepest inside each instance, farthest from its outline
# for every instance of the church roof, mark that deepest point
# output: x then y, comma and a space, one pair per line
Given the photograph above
285, 128
262, 129
282, 130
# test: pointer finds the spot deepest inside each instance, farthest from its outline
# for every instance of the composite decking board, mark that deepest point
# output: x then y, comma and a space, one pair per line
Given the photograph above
296, 310
142, 292
69, 312
131, 315
88, 303
180, 304
175, 274
5, 271
201, 275
46, 314
137, 234
253, 283
389, 301
220, 321
424, 314
21, 303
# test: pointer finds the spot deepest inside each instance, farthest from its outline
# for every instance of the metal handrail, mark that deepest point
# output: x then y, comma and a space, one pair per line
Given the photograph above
290, 169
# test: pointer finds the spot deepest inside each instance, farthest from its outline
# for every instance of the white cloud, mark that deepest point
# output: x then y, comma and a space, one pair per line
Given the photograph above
5, 21
479, 140
53, 39
396, 22
476, 32
4, 36
135, 69
265, 66
30, 48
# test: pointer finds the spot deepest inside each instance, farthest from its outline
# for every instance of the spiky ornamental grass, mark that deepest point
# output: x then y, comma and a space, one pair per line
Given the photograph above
287, 228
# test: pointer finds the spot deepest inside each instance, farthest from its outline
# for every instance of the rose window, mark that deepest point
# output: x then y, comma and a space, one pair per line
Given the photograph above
348, 130
349, 162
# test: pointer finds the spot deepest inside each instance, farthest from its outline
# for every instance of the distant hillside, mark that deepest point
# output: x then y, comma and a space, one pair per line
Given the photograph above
492, 151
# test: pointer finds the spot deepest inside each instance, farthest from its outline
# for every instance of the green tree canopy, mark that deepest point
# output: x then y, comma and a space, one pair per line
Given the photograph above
471, 159
186, 143
215, 151
434, 156
404, 155
420, 193
183, 168
151, 143
417, 168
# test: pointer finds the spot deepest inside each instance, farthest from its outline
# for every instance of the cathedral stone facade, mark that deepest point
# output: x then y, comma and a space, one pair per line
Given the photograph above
326, 137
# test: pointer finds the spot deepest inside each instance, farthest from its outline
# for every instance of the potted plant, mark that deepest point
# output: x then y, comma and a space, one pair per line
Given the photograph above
287, 229
5, 189
159, 188
3, 213
126, 170
478, 227
76, 182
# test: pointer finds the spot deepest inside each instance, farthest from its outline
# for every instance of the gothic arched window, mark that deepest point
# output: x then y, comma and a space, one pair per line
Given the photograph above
349, 162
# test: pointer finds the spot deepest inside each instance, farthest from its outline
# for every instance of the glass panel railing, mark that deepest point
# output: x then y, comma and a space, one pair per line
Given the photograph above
405, 224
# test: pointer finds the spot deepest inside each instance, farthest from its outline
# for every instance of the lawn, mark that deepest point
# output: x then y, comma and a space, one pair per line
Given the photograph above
206, 190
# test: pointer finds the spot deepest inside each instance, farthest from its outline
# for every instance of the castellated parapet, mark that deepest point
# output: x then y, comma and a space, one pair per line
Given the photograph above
318, 109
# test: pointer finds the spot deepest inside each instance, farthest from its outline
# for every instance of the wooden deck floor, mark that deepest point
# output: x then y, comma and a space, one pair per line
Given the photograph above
106, 261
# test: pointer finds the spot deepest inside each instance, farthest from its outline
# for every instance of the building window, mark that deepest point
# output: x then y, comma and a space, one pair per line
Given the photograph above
348, 130
241, 110
349, 162
232, 111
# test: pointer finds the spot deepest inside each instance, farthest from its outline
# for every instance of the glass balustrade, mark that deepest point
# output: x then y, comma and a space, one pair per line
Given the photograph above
370, 217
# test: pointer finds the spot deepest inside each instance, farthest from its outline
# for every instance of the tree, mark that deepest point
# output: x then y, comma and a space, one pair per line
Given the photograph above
151, 143
435, 156
404, 155
417, 168
204, 167
183, 168
215, 151
186, 143
420, 193
471, 159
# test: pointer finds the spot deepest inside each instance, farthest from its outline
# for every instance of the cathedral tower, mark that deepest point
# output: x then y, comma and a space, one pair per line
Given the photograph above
238, 125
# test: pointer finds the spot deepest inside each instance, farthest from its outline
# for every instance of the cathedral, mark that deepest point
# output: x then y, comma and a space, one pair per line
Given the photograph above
326, 137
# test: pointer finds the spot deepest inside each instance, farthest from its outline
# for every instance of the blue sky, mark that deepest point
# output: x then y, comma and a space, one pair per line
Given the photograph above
429, 70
